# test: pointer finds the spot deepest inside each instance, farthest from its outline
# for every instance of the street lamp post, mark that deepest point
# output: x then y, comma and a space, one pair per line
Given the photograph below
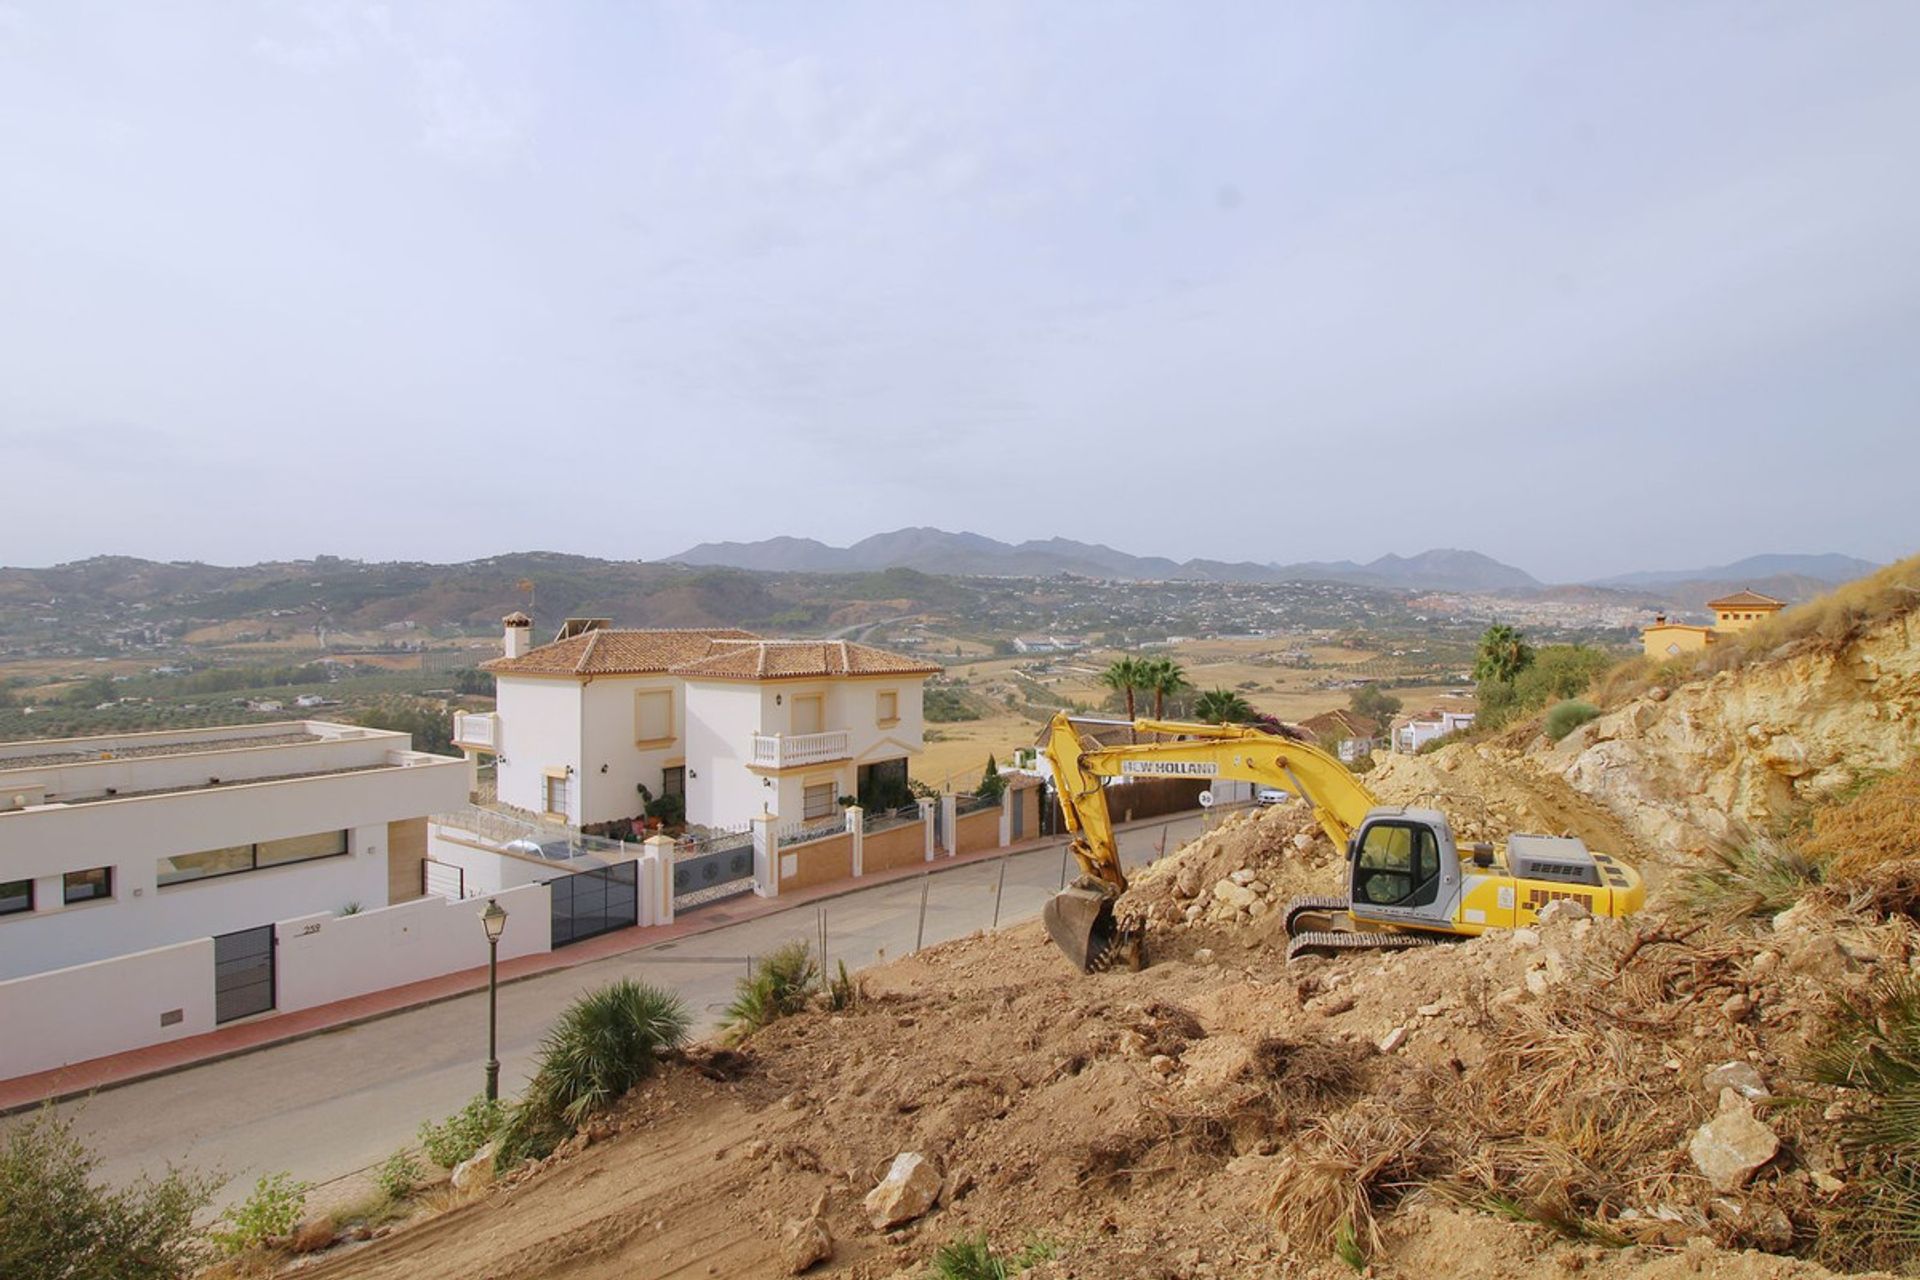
494, 921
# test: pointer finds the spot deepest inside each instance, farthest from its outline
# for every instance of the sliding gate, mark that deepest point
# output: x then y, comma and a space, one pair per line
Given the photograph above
587, 904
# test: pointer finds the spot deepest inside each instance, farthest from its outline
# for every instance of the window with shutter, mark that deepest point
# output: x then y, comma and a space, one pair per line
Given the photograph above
653, 715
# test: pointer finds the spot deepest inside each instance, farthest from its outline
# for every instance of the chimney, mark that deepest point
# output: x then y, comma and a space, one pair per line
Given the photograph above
519, 637
1659, 619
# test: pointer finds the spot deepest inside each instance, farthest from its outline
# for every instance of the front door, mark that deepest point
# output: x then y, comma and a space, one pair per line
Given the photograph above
243, 975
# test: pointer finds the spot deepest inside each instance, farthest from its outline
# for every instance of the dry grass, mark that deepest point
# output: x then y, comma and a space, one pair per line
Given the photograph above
1879, 825
1349, 1167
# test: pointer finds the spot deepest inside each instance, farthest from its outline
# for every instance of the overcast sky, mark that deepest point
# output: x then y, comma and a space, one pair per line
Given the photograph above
1590, 288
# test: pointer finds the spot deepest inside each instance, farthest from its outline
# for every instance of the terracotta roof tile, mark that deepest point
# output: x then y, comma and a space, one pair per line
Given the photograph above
607, 653
1746, 600
755, 659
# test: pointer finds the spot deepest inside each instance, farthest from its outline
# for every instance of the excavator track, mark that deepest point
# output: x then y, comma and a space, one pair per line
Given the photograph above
1320, 905
1346, 944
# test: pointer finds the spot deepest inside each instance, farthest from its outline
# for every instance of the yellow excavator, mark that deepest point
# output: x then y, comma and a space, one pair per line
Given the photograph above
1407, 883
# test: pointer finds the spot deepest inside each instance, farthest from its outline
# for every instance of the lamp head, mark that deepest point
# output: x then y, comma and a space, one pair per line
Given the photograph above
493, 920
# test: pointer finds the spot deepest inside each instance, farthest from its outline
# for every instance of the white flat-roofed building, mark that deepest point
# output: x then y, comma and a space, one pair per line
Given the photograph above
121, 843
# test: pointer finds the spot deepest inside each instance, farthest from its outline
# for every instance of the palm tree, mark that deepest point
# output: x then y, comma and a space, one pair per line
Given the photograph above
1222, 706
1126, 675
1504, 654
1164, 677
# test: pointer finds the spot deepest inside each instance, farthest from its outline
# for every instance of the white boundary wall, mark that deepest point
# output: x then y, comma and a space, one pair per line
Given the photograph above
91, 1010
69, 1015
323, 958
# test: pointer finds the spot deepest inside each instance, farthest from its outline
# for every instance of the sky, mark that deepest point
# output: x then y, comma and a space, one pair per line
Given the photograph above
1590, 287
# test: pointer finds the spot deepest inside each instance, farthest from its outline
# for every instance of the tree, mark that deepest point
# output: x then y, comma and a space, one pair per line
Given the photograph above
55, 1221
1504, 654
1223, 706
992, 785
1163, 677
1128, 676
1371, 702
91, 693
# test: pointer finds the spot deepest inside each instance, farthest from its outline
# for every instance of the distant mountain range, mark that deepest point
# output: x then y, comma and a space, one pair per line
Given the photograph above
1793, 577
1831, 569
972, 554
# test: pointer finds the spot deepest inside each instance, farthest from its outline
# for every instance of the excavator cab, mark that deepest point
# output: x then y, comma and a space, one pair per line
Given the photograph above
1404, 869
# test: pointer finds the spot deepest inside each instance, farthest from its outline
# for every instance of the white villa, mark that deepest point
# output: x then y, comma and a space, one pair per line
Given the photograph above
735, 724
146, 879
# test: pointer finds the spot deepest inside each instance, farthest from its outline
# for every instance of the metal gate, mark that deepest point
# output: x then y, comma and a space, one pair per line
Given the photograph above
710, 873
587, 904
1018, 828
242, 973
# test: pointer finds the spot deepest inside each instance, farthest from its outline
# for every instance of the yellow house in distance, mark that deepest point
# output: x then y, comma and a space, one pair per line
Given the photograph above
1732, 614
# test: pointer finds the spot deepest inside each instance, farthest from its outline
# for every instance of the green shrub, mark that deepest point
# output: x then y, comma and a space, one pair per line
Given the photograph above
57, 1224
1568, 716
461, 1134
842, 993
779, 986
1871, 1047
274, 1209
1757, 876
399, 1175
973, 1258
605, 1042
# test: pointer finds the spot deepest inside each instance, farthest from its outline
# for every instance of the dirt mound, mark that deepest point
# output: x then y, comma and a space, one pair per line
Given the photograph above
1186, 1119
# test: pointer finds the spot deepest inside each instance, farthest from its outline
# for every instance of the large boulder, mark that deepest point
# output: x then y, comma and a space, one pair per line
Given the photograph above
1730, 1147
909, 1190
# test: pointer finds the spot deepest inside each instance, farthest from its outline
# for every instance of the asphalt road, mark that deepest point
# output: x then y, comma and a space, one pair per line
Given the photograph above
329, 1106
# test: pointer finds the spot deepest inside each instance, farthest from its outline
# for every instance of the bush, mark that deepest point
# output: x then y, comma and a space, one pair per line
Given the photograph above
1871, 1047
399, 1175
1568, 716
57, 1224
461, 1134
1878, 824
842, 992
779, 986
973, 1258
1758, 876
606, 1042
274, 1209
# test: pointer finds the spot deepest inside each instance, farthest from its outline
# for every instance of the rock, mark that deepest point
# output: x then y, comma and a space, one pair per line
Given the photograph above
1538, 984
1203, 956
1393, 1040
1188, 883
313, 1235
1742, 1077
476, 1169
909, 1190
1730, 1147
1303, 841
1797, 916
1827, 1183
1431, 1010
1243, 877
1233, 895
1524, 938
1330, 1006
1260, 887
808, 1242
1163, 1064
1564, 909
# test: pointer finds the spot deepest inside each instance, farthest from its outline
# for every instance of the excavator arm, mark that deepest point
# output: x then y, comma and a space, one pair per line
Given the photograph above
1080, 919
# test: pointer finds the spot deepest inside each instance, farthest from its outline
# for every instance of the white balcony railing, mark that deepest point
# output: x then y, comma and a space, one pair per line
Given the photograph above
784, 751
476, 729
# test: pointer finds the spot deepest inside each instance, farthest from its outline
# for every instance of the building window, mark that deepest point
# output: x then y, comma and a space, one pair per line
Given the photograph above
237, 858
86, 886
557, 795
883, 785
673, 782
15, 896
653, 715
818, 801
889, 708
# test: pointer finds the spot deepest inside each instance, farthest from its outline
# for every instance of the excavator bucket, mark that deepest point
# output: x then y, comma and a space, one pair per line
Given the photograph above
1080, 922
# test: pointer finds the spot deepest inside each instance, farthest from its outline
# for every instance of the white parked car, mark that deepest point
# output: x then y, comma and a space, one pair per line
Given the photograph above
1271, 795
